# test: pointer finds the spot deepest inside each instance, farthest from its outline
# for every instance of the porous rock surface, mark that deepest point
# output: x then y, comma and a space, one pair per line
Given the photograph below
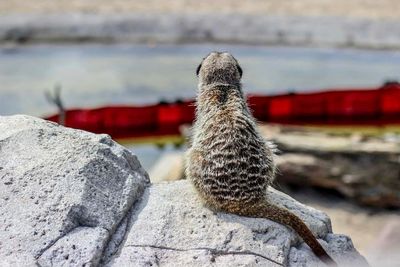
72, 198
63, 193
170, 227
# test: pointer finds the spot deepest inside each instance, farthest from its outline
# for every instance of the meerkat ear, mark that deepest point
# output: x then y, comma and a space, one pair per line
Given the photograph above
198, 69
240, 70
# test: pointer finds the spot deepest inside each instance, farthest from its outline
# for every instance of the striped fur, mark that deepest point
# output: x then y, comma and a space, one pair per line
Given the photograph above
232, 160
229, 162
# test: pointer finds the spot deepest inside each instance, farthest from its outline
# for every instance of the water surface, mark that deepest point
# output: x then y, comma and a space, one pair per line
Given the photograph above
96, 75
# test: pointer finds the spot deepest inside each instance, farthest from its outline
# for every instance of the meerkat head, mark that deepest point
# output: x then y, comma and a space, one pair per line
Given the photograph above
219, 68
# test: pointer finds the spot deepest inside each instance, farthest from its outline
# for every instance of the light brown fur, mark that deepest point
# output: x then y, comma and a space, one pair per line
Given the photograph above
229, 162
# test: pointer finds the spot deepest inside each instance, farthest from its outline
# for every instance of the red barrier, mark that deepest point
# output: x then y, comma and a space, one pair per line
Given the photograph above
390, 101
353, 105
259, 106
335, 107
188, 111
280, 108
129, 121
90, 120
309, 106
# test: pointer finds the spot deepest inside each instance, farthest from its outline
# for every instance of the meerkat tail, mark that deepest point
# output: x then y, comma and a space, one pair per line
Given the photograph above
224, 131
285, 217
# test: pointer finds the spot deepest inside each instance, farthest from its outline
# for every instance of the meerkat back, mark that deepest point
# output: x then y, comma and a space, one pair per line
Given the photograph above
229, 163
229, 160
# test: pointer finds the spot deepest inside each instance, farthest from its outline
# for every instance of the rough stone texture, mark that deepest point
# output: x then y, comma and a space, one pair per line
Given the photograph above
170, 227
67, 199
200, 27
63, 193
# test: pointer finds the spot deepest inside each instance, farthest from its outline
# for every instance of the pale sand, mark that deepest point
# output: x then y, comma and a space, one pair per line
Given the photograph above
372, 9
374, 232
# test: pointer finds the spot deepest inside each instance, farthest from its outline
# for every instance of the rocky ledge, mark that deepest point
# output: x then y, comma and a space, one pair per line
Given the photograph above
72, 198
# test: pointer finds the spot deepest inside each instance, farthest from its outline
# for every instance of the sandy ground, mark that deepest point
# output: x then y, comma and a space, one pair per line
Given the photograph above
373, 9
375, 233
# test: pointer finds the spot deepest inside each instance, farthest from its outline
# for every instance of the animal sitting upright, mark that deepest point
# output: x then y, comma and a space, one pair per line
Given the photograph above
229, 162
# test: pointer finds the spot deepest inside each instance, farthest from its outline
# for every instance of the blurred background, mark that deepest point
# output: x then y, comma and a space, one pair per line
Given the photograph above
320, 75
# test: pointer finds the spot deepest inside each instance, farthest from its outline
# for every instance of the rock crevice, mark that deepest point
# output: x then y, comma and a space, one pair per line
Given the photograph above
173, 226
212, 251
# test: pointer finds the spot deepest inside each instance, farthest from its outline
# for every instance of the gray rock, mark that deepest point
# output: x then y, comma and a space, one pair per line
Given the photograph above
67, 199
170, 227
63, 193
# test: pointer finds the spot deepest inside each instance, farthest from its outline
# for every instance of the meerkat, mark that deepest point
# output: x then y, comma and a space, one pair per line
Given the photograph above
229, 162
